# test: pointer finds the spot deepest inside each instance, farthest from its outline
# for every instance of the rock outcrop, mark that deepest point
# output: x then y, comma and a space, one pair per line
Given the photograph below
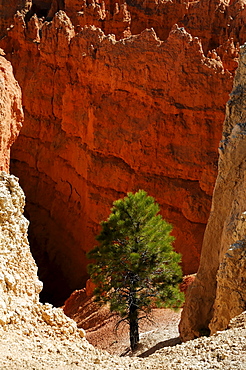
225, 232
11, 114
19, 284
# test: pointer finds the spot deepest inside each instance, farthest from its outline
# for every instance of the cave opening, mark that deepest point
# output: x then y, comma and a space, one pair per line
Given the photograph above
55, 286
35, 9
60, 260
44, 9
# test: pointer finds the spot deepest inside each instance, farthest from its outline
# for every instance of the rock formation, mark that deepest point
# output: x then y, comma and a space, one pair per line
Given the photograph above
225, 232
103, 117
213, 21
231, 287
8, 8
39, 336
19, 285
11, 116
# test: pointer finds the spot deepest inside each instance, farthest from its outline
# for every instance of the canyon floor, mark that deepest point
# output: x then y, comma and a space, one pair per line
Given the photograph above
160, 330
226, 350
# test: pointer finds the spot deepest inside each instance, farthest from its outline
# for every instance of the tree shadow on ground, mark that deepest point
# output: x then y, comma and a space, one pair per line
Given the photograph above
166, 343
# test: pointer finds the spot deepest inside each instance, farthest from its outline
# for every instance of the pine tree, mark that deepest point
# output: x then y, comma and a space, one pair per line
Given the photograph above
134, 263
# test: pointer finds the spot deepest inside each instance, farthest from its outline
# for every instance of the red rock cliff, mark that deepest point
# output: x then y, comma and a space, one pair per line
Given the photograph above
103, 117
11, 114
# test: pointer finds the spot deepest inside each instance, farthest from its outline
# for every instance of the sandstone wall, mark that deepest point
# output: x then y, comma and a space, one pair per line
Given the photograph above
225, 226
103, 117
11, 114
231, 287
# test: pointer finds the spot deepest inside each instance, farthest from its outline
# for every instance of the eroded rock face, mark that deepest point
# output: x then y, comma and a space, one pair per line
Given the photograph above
11, 114
19, 284
8, 8
213, 21
231, 287
103, 117
226, 226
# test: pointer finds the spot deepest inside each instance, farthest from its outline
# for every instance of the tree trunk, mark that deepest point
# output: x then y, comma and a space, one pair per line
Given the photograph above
133, 318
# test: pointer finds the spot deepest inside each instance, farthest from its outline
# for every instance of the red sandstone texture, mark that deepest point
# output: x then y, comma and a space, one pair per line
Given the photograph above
103, 117
8, 9
187, 281
11, 114
213, 21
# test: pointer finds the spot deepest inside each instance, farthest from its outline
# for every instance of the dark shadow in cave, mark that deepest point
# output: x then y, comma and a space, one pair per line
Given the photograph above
45, 9
55, 287
36, 10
